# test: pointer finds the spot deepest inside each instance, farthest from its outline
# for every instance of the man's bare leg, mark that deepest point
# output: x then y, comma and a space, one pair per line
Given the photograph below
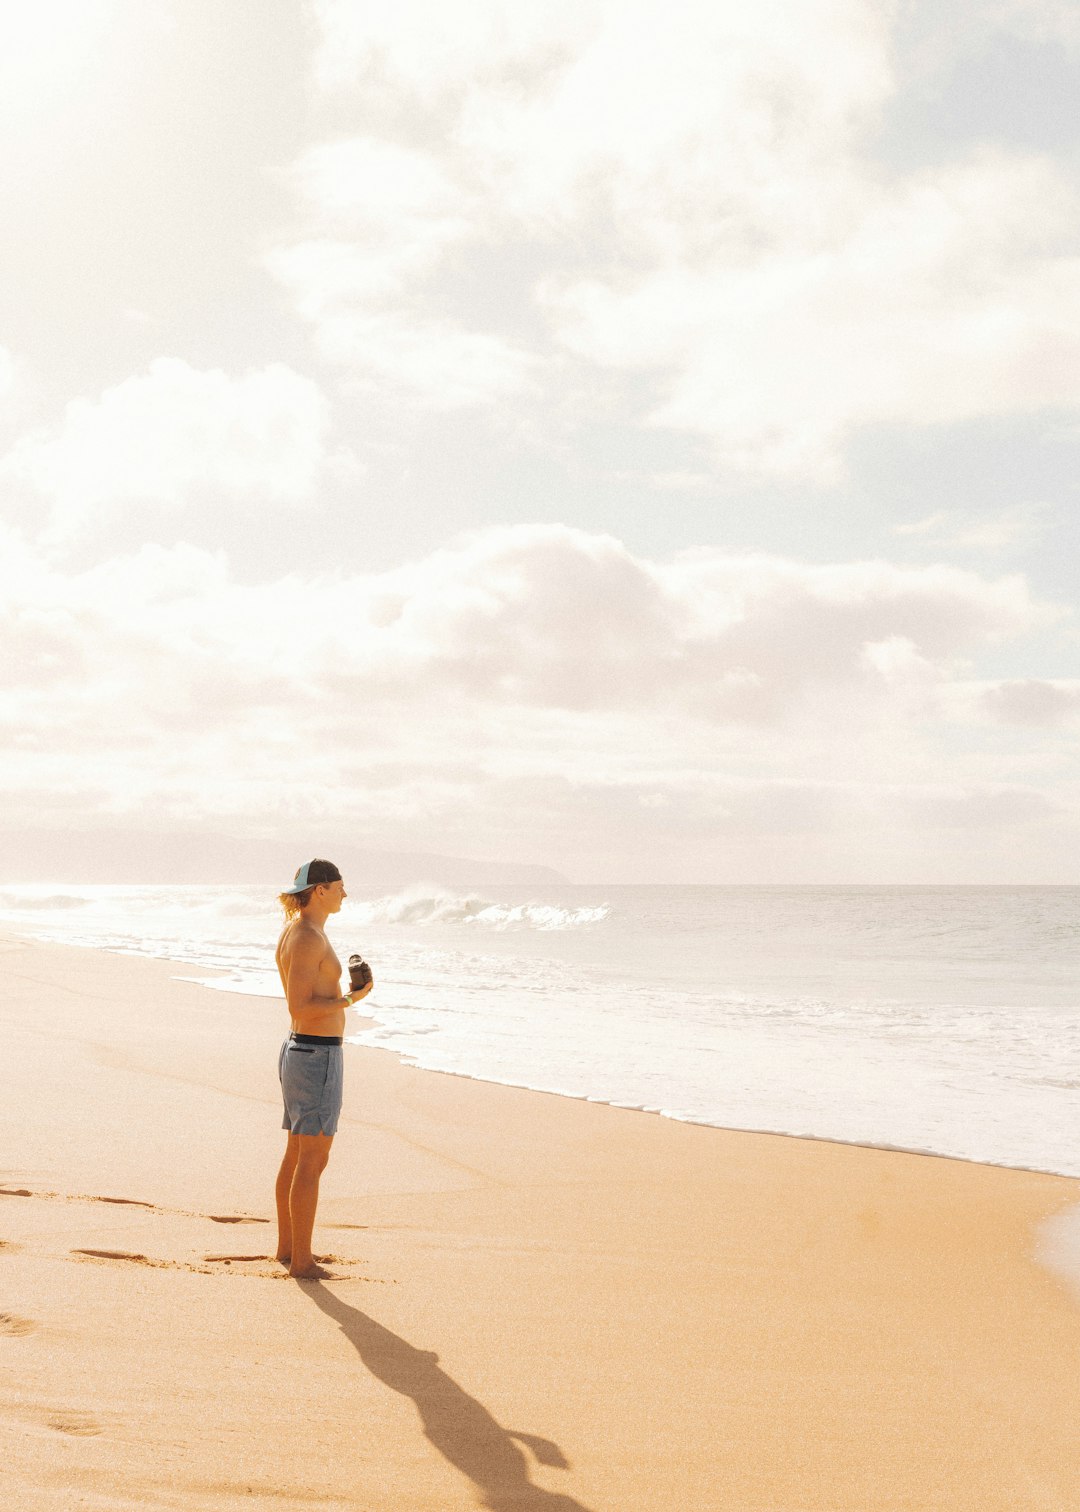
312, 1155
281, 1198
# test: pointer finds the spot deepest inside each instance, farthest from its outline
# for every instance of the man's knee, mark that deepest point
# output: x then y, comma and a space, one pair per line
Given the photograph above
313, 1153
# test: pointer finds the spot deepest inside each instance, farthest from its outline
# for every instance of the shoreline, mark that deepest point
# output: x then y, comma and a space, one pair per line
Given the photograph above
542, 1304
722, 1128
205, 981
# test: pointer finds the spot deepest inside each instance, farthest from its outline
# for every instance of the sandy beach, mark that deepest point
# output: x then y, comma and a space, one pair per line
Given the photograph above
540, 1304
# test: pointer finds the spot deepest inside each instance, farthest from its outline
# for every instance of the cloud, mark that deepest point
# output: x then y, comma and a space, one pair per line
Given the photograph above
431, 48
544, 618
435, 364
701, 129
575, 124
1033, 702
1044, 20
695, 194
998, 532
553, 618
160, 437
933, 302
386, 216
520, 652
546, 692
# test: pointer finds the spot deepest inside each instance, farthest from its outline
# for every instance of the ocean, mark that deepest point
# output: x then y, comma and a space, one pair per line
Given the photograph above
937, 1019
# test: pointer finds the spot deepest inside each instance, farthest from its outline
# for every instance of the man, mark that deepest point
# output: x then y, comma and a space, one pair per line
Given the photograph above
310, 1061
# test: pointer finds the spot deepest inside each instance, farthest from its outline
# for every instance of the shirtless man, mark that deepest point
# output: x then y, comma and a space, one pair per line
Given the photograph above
309, 1064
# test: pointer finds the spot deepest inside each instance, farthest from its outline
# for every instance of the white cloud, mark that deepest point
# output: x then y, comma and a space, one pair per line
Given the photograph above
432, 363
1044, 20
158, 437
997, 532
938, 302
698, 129
1033, 701
570, 654
386, 217
533, 617
401, 212
710, 217
431, 47
896, 657
373, 184
537, 691
672, 127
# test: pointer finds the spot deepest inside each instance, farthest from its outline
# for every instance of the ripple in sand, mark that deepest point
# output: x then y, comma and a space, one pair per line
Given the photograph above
79, 1424
15, 1327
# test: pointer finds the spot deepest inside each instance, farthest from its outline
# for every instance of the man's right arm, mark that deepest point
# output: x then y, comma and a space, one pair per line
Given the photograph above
306, 956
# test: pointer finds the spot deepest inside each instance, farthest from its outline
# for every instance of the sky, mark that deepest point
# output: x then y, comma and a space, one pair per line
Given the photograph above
638, 439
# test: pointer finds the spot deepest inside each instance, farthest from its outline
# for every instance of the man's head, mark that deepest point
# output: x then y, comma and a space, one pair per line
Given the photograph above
319, 880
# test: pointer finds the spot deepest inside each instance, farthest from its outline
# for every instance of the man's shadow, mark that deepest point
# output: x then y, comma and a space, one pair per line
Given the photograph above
461, 1429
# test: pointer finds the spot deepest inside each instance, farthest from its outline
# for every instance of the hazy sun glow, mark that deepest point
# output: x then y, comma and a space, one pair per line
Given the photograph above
48, 49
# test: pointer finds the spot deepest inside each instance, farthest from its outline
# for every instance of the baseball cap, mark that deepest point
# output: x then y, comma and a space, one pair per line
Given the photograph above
310, 875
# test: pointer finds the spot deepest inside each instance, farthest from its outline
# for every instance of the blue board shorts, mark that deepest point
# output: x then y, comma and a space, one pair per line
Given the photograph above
311, 1078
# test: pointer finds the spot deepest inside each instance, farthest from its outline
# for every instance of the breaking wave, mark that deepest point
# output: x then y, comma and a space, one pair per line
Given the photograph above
423, 904
46, 903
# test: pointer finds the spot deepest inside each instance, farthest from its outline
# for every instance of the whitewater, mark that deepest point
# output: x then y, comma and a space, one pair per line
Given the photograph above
938, 1019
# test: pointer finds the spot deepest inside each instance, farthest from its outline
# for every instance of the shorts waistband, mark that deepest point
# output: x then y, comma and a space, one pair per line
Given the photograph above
316, 1039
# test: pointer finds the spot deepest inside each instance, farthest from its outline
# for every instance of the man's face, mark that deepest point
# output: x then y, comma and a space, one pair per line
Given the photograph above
333, 894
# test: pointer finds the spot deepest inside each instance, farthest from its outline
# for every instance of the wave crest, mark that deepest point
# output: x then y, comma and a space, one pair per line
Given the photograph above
9, 900
422, 904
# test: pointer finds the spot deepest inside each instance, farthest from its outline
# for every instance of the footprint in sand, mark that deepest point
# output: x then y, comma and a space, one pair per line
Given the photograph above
98, 1254
151, 1207
79, 1424
15, 1327
130, 1257
253, 1259
345, 1270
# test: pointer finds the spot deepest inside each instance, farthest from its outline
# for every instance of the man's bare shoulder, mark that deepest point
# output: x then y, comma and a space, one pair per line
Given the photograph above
302, 941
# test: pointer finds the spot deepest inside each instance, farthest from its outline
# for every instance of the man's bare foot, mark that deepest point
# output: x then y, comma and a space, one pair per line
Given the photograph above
286, 1260
314, 1272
